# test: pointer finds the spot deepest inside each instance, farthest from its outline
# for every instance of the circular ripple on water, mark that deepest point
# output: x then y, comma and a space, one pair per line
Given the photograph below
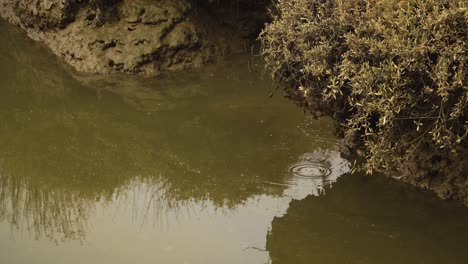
315, 159
310, 170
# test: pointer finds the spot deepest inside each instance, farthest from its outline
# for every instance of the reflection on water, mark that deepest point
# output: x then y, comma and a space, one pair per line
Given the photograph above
369, 220
43, 213
95, 164
197, 167
314, 172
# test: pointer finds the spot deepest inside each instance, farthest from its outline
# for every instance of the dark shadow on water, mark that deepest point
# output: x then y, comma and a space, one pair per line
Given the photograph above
370, 219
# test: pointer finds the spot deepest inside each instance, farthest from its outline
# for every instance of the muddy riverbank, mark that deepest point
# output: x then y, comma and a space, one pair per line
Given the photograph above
138, 37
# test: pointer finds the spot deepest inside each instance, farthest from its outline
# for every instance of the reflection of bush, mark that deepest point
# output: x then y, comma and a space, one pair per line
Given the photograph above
63, 149
392, 72
55, 169
362, 220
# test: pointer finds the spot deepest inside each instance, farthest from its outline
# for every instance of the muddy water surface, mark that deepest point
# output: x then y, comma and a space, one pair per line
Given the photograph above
198, 167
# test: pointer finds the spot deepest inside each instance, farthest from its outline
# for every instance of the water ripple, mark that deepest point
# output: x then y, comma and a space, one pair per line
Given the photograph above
310, 170
313, 172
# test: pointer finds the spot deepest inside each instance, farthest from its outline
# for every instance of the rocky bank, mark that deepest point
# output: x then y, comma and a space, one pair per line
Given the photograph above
131, 36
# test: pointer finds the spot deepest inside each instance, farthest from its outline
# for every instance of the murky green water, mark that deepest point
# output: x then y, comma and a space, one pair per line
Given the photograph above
198, 167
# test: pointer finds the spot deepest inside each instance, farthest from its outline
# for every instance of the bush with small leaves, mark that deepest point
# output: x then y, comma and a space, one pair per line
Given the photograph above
392, 72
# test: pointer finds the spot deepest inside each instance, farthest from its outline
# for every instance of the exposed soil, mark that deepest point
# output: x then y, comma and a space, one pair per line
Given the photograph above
135, 36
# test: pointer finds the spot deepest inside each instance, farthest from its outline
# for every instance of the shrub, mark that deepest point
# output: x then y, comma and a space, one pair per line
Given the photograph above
392, 72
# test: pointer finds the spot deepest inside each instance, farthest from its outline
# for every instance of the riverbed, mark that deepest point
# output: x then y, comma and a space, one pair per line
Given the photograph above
205, 166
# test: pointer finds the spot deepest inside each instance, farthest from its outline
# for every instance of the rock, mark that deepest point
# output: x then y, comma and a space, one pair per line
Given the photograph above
38, 14
132, 36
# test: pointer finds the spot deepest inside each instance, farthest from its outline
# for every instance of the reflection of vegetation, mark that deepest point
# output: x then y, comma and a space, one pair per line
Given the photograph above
394, 73
61, 164
63, 148
44, 211
361, 220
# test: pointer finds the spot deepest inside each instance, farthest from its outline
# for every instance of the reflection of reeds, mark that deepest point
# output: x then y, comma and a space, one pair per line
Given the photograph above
53, 203
55, 214
60, 214
151, 201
